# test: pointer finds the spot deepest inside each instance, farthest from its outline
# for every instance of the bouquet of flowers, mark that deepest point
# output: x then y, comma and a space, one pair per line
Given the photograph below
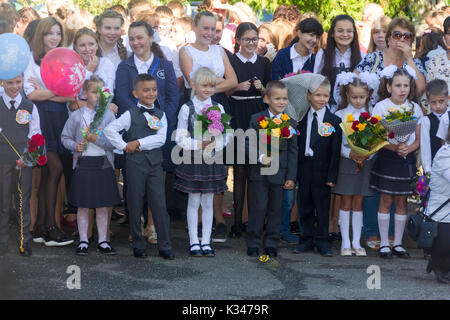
213, 120
34, 154
103, 101
278, 128
400, 123
422, 190
365, 136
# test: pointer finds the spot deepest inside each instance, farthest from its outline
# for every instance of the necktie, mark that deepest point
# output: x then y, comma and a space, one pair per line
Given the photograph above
314, 135
13, 108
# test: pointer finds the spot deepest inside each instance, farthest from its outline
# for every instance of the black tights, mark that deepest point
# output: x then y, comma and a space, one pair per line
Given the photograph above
48, 189
240, 183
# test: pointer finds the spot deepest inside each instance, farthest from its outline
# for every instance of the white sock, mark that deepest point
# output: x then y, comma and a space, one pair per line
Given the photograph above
207, 201
344, 224
383, 226
192, 218
357, 224
83, 222
101, 215
400, 222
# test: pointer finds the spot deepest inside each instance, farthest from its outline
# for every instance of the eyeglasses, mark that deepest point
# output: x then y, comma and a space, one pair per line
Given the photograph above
397, 35
248, 40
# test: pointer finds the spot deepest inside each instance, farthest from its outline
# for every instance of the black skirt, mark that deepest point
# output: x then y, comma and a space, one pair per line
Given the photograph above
201, 178
93, 184
53, 117
391, 174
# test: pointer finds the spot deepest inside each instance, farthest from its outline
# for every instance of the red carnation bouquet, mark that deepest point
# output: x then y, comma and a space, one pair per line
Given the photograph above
35, 152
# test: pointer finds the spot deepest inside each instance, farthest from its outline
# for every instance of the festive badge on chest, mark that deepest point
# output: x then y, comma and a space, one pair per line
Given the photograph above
154, 123
23, 116
292, 131
326, 129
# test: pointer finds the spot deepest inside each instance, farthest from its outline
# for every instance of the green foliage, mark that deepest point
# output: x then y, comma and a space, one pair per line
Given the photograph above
96, 7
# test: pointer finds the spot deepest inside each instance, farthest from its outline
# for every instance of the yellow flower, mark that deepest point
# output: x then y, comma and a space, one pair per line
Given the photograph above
350, 118
361, 126
285, 117
263, 123
277, 121
276, 132
378, 117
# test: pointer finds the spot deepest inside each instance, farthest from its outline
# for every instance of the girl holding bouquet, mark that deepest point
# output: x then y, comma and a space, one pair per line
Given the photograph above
354, 169
394, 169
93, 182
200, 180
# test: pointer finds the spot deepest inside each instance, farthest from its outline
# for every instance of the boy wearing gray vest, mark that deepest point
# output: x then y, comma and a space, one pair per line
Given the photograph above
146, 128
19, 121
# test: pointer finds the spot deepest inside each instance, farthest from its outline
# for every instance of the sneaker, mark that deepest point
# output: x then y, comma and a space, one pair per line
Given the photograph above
289, 238
56, 238
227, 214
220, 233
38, 235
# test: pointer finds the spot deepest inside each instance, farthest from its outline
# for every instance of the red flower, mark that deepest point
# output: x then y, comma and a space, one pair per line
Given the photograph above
365, 115
32, 145
266, 138
290, 75
38, 139
354, 125
42, 160
391, 135
261, 118
373, 120
285, 132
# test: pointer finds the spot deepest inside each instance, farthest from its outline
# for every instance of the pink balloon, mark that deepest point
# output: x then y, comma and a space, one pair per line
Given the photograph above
63, 72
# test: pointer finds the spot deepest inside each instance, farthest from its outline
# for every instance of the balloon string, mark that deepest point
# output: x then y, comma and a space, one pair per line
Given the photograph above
20, 211
10, 144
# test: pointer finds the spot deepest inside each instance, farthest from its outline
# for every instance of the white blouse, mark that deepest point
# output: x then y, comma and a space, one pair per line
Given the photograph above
440, 185
382, 107
212, 59
92, 150
106, 71
339, 58
32, 71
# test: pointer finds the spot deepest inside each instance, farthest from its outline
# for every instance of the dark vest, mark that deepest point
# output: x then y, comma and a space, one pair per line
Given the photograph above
139, 129
193, 115
435, 142
16, 133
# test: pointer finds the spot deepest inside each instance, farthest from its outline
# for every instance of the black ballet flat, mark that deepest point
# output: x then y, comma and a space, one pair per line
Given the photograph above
82, 251
208, 252
385, 255
109, 251
400, 254
195, 253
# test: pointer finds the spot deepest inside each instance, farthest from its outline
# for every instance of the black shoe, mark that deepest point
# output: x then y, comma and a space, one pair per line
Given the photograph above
271, 252
82, 251
109, 251
167, 254
429, 266
197, 252
26, 250
442, 277
385, 255
39, 234
3, 249
139, 253
253, 252
56, 238
235, 231
208, 252
294, 228
220, 233
400, 254
325, 252
303, 247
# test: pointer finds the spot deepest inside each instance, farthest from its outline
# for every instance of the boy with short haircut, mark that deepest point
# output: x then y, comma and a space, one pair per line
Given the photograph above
430, 140
137, 6
17, 130
168, 47
146, 127
318, 162
177, 8
267, 190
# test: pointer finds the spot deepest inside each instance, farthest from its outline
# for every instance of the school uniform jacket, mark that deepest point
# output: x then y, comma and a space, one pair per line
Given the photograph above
327, 151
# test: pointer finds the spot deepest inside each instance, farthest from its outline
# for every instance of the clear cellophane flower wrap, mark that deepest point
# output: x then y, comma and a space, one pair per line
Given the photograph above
347, 130
401, 130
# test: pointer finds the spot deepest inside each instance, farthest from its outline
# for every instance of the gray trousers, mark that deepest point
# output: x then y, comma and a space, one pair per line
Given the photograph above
267, 202
145, 180
8, 186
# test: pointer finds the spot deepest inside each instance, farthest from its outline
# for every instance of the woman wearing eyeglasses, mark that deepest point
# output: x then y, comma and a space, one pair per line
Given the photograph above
253, 72
399, 38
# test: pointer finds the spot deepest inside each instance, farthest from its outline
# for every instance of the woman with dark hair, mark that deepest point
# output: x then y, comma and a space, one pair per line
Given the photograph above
298, 56
53, 114
399, 38
432, 39
342, 52
253, 72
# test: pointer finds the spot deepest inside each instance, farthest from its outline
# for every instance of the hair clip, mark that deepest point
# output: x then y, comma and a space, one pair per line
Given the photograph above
389, 71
